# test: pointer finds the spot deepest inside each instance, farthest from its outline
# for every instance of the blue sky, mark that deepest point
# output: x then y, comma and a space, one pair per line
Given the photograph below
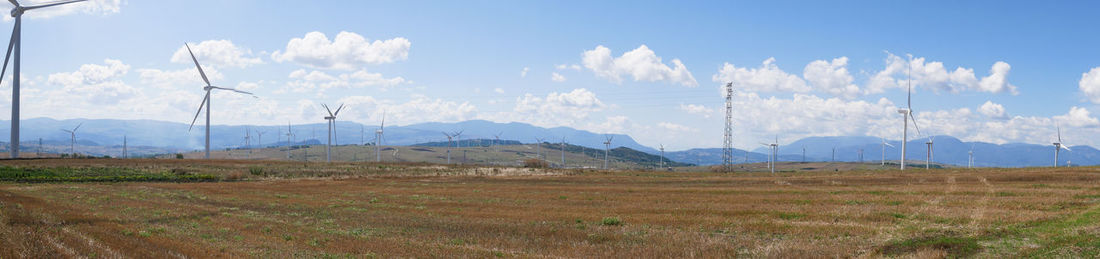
562, 63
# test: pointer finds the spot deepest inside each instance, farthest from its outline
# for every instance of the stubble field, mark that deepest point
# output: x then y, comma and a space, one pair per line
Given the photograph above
282, 209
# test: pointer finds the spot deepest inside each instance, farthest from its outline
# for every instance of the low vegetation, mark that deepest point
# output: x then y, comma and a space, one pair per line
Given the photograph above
284, 209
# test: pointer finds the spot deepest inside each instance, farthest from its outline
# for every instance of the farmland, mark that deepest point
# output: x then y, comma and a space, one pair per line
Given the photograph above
283, 209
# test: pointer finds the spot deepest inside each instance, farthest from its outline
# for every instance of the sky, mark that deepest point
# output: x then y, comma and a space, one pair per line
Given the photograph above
991, 71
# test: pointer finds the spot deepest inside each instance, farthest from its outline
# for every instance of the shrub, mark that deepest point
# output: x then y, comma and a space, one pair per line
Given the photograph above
256, 170
611, 221
179, 156
535, 163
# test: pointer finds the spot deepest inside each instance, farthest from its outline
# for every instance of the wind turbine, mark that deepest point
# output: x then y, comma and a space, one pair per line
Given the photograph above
124, 155
205, 100
884, 144
331, 122
247, 138
15, 44
289, 142
378, 138
260, 138
449, 137
72, 142
907, 114
662, 155
538, 148
772, 151
1058, 146
562, 152
970, 161
606, 150
928, 163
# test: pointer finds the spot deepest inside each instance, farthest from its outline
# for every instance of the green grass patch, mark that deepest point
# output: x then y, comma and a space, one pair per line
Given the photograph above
96, 174
791, 215
611, 221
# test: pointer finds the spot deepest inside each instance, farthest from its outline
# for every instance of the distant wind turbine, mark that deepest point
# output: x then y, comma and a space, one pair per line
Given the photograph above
931, 153
379, 137
15, 44
907, 115
206, 99
606, 150
884, 144
72, 142
331, 118
970, 161
449, 138
1058, 146
289, 142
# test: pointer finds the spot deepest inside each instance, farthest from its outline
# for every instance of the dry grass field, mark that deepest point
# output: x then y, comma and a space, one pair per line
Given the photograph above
286, 209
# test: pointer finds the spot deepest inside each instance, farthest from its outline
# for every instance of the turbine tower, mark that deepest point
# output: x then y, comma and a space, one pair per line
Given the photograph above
15, 44
378, 137
260, 138
562, 152
907, 114
773, 151
606, 150
1058, 146
124, 154
662, 155
72, 142
331, 118
970, 161
928, 163
538, 148
448, 146
727, 148
289, 142
206, 99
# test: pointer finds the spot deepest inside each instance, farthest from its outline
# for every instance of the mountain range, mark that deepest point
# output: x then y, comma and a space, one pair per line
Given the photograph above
104, 137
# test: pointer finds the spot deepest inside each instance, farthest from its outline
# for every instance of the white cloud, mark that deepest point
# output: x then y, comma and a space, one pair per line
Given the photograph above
319, 80
187, 78
832, 77
568, 66
934, 76
993, 110
1077, 117
498, 90
767, 78
642, 64
557, 109
524, 72
1090, 84
418, 108
675, 127
557, 77
98, 7
347, 51
98, 84
216, 53
697, 109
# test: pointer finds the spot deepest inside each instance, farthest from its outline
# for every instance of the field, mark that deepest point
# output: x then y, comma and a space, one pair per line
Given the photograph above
295, 209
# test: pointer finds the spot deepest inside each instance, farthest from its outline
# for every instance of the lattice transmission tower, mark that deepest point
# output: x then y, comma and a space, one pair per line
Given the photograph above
727, 148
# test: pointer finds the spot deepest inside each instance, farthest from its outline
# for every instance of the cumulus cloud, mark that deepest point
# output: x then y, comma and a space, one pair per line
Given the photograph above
1077, 117
418, 108
557, 77
993, 110
642, 64
766, 78
557, 109
319, 80
697, 109
1090, 84
832, 77
347, 51
216, 53
675, 127
934, 76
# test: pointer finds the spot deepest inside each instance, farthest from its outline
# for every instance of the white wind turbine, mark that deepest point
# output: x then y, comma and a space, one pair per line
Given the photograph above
907, 115
449, 138
206, 99
562, 152
773, 151
331, 118
970, 161
884, 144
1058, 146
379, 137
289, 142
931, 152
662, 147
72, 142
15, 44
538, 148
247, 146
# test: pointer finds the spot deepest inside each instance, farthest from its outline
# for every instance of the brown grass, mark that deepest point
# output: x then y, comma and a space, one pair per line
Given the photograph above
404, 210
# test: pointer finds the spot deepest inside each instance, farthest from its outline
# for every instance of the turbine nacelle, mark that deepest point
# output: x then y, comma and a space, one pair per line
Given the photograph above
903, 111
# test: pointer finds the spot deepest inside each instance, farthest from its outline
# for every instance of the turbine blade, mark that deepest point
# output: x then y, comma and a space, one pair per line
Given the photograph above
199, 111
51, 4
11, 44
203, 74
327, 109
233, 89
1059, 134
914, 119
78, 126
13, 2
383, 120
338, 110
888, 144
